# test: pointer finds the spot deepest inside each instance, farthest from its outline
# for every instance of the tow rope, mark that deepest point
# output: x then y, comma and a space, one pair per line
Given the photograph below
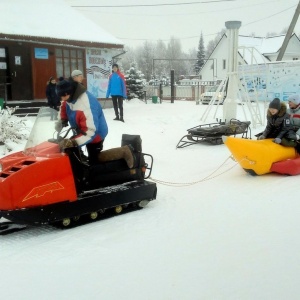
208, 177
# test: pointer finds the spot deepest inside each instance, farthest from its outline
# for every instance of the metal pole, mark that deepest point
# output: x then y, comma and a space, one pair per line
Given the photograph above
230, 103
172, 86
289, 33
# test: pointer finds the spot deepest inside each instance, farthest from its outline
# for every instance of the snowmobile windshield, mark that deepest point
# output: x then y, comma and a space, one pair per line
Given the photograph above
43, 136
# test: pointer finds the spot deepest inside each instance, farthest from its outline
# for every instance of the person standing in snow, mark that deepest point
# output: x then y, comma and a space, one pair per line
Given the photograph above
279, 125
83, 111
52, 97
117, 90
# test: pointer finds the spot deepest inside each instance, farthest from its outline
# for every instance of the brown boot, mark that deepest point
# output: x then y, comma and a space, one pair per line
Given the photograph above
117, 153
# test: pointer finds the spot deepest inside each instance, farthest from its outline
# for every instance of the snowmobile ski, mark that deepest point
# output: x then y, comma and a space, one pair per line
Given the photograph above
10, 227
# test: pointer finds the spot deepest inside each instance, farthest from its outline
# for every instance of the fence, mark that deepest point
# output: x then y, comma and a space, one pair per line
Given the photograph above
190, 93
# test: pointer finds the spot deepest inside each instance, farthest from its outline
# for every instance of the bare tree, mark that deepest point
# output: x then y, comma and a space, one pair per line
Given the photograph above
128, 57
144, 58
174, 52
272, 33
161, 66
213, 43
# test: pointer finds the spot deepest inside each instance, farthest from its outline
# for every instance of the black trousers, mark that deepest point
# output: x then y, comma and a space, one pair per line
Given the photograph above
93, 151
118, 103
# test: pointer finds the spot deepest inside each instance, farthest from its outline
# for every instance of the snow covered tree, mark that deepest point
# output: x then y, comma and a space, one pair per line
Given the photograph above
13, 130
134, 82
200, 56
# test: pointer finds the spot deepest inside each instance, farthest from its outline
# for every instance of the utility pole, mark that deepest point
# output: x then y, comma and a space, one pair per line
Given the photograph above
289, 33
230, 103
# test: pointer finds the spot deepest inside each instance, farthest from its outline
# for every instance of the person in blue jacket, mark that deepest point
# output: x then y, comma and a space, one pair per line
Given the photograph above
117, 90
83, 111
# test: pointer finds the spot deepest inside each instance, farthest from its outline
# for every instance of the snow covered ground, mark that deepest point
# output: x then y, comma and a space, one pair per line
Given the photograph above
233, 236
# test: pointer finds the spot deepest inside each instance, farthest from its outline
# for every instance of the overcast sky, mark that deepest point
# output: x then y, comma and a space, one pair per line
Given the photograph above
134, 25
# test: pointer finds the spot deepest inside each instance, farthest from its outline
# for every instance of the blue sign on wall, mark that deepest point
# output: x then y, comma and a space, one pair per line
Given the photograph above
41, 53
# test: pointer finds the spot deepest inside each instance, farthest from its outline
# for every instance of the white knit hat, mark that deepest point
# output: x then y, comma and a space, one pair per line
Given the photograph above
76, 73
294, 99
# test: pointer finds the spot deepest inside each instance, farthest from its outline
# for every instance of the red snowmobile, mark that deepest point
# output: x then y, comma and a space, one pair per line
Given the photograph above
43, 185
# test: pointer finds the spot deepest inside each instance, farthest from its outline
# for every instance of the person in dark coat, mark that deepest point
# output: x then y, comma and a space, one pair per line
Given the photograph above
279, 126
52, 97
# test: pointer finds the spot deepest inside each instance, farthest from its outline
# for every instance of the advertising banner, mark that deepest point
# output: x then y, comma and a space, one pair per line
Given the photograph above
271, 80
284, 80
254, 80
98, 67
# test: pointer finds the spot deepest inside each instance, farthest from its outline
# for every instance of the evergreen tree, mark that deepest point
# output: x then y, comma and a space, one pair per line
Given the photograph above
200, 56
134, 82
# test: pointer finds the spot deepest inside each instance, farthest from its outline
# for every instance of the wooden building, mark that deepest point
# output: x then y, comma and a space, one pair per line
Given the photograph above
50, 39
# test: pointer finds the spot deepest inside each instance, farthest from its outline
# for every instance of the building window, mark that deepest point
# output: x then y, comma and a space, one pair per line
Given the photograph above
295, 58
224, 64
68, 60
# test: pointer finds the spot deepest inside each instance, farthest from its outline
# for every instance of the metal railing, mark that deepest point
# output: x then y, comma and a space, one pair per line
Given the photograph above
191, 93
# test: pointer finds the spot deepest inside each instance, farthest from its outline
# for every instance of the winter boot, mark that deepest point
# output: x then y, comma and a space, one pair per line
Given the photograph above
116, 118
122, 120
124, 152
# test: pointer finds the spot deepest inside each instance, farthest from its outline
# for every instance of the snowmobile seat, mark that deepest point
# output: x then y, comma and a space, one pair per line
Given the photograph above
117, 171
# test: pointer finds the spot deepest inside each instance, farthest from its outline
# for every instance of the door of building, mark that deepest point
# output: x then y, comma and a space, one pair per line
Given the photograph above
19, 68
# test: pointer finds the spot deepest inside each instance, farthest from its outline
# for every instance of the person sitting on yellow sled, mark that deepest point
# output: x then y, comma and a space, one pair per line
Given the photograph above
279, 126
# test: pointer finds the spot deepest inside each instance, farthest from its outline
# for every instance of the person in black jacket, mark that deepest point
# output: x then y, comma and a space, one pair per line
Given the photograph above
279, 126
53, 99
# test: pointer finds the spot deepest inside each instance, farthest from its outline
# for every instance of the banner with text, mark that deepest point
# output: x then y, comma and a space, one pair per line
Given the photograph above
98, 68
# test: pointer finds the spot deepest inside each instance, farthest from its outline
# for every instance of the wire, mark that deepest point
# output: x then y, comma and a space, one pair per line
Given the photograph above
163, 4
180, 14
269, 16
197, 36
184, 38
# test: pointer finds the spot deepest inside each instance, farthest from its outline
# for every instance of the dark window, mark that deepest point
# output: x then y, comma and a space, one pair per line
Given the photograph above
68, 60
224, 64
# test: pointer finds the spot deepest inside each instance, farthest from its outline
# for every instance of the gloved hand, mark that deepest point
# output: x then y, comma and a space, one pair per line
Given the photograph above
60, 124
261, 137
67, 143
277, 140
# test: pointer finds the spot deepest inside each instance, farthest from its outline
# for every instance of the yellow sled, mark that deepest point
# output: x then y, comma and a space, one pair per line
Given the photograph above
257, 156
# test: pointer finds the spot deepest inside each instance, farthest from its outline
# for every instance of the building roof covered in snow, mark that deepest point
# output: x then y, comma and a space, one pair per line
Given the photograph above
55, 20
258, 47
251, 50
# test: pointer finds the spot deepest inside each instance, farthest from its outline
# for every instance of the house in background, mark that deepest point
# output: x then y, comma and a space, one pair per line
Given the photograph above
51, 39
251, 50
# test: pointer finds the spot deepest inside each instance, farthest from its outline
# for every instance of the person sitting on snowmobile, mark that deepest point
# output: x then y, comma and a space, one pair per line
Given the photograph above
83, 111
